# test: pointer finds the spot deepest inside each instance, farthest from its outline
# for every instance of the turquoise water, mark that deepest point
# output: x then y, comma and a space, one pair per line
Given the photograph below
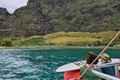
36, 64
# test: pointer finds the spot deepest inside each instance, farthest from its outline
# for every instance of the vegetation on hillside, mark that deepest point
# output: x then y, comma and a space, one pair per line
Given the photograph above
41, 17
63, 39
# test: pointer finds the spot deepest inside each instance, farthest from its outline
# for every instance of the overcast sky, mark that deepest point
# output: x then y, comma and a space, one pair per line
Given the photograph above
12, 5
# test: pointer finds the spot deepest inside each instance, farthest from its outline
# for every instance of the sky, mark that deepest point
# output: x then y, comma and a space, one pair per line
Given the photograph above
12, 5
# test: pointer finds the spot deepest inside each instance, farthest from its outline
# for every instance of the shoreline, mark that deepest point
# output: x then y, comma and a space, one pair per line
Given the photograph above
58, 47
61, 40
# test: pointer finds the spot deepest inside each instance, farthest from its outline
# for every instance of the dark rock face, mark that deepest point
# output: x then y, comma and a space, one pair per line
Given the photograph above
41, 17
3, 11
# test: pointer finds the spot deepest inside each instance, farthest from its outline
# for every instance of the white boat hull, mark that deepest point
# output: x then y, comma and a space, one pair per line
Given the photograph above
77, 65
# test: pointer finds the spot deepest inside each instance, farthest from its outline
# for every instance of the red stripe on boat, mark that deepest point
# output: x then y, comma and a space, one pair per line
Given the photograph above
72, 75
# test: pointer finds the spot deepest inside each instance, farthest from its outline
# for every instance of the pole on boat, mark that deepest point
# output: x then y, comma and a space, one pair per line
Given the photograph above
103, 50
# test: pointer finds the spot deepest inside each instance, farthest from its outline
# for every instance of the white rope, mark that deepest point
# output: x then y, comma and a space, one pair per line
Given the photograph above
104, 49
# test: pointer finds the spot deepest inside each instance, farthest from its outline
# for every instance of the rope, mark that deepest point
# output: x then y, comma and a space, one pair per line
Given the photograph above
104, 49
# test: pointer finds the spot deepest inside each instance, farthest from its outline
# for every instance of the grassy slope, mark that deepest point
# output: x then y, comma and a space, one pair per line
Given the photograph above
63, 39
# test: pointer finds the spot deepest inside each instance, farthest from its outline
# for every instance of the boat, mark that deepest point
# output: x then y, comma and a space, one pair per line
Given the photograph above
96, 70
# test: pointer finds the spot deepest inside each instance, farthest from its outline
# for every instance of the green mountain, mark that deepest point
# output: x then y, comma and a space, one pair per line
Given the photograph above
41, 17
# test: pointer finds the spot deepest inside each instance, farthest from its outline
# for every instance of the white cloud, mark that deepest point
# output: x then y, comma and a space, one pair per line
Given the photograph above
12, 5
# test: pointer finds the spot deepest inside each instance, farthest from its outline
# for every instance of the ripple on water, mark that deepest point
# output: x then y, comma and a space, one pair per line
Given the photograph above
26, 66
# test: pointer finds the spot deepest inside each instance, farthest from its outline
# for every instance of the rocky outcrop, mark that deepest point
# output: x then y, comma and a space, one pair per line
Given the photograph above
41, 17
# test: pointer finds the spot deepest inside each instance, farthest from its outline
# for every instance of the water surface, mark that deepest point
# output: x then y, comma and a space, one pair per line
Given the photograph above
37, 64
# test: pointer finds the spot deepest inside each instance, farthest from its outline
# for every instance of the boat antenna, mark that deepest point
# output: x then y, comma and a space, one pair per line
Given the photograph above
103, 50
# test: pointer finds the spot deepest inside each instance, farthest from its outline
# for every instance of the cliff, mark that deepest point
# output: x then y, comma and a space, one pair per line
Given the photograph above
41, 17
